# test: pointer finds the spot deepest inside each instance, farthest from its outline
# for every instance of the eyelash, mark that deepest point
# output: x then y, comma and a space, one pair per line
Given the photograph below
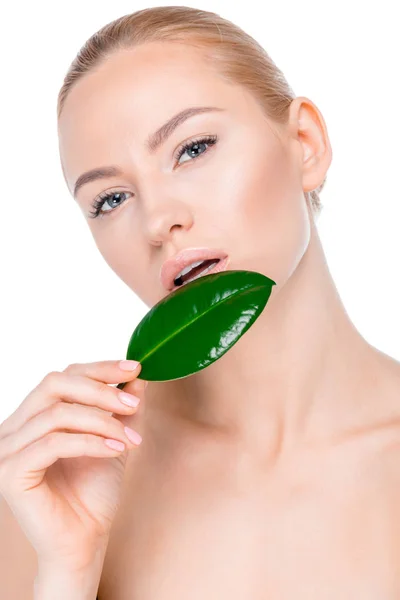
102, 198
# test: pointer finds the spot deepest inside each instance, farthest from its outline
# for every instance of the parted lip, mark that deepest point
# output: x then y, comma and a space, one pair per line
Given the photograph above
184, 258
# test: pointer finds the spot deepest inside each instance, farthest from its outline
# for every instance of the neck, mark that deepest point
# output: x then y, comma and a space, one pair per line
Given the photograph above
301, 373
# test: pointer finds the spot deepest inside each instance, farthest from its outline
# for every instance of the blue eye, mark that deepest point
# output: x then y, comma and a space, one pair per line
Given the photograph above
98, 204
190, 145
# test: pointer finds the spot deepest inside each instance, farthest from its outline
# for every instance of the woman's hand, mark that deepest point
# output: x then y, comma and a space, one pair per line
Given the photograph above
60, 479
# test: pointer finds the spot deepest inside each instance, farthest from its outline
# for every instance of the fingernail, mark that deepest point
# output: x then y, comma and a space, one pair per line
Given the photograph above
128, 399
128, 365
115, 445
133, 436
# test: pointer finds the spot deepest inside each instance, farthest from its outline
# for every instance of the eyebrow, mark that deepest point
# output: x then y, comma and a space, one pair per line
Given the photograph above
153, 142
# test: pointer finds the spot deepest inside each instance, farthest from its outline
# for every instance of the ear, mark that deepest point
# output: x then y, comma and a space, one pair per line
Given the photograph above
307, 126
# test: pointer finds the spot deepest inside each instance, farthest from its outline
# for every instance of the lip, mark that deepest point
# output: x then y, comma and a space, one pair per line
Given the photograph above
173, 266
221, 266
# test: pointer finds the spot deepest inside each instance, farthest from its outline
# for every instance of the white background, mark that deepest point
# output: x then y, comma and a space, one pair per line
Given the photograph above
60, 301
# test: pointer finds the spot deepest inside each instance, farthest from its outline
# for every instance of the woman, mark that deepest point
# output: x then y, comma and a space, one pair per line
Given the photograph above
272, 473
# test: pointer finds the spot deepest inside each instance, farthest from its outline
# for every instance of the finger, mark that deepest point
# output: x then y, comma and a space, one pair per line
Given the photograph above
93, 390
108, 371
138, 389
26, 469
61, 416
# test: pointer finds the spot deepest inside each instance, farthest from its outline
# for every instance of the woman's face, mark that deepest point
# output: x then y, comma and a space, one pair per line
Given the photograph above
243, 194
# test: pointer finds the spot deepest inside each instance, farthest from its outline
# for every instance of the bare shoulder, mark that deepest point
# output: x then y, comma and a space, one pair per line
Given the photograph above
383, 395
18, 561
384, 461
371, 451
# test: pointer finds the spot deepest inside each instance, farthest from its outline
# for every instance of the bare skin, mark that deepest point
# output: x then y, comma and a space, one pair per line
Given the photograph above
273, 473
201, 513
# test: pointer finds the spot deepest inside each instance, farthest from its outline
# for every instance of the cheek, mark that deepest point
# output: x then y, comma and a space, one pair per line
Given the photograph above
107, 247
120, 255
122, 260
269, 225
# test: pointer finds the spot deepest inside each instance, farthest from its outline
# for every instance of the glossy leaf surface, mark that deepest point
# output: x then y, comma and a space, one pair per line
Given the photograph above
196, 324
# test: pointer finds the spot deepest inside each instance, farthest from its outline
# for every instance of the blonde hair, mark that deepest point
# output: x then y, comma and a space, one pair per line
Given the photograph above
232, 52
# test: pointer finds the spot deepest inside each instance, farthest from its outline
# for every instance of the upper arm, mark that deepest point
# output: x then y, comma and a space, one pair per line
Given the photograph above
18, 559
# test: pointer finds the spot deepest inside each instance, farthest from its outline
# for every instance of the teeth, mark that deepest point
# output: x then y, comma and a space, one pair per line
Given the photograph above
189, 268
210, 268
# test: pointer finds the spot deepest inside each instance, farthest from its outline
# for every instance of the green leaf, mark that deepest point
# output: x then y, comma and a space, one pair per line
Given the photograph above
196, 324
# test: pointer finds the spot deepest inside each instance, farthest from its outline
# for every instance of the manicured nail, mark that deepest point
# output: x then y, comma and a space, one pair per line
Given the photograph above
128, 399
133, 436
128, 365
115, 445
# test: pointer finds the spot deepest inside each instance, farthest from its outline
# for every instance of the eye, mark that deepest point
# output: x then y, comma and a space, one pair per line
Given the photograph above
101, 200
191, 145
194, 145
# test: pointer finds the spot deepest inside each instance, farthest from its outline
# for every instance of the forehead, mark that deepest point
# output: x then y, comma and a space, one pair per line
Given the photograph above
115, 107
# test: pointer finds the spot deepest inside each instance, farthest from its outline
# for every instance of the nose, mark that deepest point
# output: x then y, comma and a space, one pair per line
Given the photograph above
166, 218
